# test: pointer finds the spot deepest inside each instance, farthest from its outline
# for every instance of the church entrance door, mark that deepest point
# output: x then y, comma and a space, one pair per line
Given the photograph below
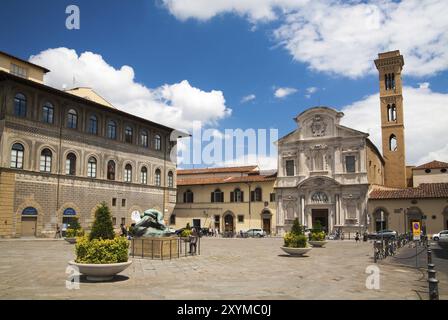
320, 215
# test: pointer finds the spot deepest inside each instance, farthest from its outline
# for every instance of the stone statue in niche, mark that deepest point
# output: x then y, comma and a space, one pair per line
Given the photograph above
318, 127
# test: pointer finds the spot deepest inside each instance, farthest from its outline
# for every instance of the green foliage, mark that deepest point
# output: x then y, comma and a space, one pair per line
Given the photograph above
297, 228
73, 233
188, 226
293, 240
186, 233
74, 224
317, 226
318, 236
99, 251
102, 226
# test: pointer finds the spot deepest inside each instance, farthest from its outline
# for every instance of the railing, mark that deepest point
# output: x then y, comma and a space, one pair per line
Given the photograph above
165, 248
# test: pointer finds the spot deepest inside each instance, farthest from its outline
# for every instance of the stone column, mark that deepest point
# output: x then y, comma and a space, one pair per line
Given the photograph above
302, 210
337, 218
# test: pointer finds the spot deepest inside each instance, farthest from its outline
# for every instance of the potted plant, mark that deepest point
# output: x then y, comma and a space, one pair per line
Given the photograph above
295, 241
317, 237
101, 254
74, 231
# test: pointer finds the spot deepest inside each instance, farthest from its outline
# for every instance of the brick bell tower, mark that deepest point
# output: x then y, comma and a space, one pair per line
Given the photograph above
389, 65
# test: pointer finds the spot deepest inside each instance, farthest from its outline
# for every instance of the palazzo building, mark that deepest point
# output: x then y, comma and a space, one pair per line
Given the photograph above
227, 199
64, 152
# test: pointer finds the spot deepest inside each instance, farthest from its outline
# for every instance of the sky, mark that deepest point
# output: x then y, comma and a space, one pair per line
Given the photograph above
245, 63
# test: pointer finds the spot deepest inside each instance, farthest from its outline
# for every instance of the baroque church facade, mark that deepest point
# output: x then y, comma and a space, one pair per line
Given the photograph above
326, 170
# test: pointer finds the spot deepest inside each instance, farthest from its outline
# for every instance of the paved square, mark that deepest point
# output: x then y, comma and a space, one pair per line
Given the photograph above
226, 269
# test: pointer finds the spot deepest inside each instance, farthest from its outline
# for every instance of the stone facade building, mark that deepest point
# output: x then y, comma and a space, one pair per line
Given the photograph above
227, 199
63, 153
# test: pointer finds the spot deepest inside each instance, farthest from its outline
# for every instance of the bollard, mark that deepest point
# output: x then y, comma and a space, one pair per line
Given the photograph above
433, 283
429, 256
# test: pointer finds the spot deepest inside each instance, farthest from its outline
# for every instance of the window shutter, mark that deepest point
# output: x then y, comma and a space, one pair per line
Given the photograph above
232, 196
192, 197
242, 196
185, 197
252, 196
222, 197
212, 197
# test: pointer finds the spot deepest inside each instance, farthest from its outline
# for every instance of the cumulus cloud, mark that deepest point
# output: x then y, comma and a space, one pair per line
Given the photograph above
343, 37
310, 91
176, 105
248, 98
284, 92
426, 116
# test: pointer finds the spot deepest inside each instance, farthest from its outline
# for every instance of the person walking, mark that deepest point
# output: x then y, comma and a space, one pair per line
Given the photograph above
124, 232
357, 237
193, 241
58, 234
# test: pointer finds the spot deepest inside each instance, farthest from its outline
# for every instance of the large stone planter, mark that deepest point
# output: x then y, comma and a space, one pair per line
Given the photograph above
100, 272
318, 244
70, 240
295, 251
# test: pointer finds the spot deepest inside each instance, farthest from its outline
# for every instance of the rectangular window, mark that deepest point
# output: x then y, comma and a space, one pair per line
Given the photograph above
272, 197
18, 71
289, 168
123, 202
240, 218
216, 218
173, 219
114, 221
350, 164
123, 221
114, 202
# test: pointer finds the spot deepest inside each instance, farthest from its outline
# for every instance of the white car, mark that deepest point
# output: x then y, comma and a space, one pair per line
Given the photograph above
441, 235
256, 233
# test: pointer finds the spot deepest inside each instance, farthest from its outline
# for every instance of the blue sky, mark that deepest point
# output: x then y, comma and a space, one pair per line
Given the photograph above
232, 50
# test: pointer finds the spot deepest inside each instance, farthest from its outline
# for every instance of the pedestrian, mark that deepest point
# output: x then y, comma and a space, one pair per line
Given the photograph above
193, 241
58, 232
357, 237
124, 232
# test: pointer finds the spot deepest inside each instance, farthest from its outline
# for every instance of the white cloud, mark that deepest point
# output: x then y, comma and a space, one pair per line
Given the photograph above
248, 98
284, 92
343, 37
426, 116
310, 91
265, 162
176, 105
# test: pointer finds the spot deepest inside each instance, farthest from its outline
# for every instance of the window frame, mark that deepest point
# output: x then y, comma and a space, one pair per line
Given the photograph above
127, 173
92, 167
287, 172
18, 154
72, 119
20, 105
46, 160
48, 113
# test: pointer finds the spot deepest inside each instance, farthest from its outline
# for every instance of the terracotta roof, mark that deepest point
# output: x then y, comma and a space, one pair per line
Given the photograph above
425, 190
223, 180
243, 169
432, 165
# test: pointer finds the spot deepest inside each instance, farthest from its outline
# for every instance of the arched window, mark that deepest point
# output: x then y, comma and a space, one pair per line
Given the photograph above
380, 220
217, 196
393, 144
93, 125
91, 168
17, 156
256, 195
389, 80
111, 170
128, 133
112, 130
144, 138
237, 195
157, 142
188, 196
48, 113
45, 160
20, 105
391, 113
170, 180
72, 119
144, 175
128, 173
70, 164
158, 178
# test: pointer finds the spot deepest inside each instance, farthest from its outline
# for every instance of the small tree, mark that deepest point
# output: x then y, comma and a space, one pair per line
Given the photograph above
297, 228
188, 226
102, 226
317, 226
75, 224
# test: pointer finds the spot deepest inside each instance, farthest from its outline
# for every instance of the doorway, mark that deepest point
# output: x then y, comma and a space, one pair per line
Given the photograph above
267, 225
229, 224
320, 215
29, 226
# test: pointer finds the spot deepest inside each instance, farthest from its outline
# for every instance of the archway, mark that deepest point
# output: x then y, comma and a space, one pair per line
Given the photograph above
229, 224
29, 222
414, 214
380, 219
266, 218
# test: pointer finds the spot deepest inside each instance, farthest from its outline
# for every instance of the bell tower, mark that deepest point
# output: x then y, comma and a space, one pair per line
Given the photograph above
390, 65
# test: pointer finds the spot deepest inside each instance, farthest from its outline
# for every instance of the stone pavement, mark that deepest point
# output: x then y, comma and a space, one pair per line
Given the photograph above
226, 269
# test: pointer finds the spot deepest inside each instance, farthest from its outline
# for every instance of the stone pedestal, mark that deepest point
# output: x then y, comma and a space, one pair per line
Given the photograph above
155, 248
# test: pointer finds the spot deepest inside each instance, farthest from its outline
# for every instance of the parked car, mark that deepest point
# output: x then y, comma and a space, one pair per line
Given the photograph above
443, 242
440, 235
383, 234
256, 233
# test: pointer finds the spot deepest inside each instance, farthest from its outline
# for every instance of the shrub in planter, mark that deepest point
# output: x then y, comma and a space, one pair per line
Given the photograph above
101, 251
295, 240
102, 226
74, 233
318, 236
297, 228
